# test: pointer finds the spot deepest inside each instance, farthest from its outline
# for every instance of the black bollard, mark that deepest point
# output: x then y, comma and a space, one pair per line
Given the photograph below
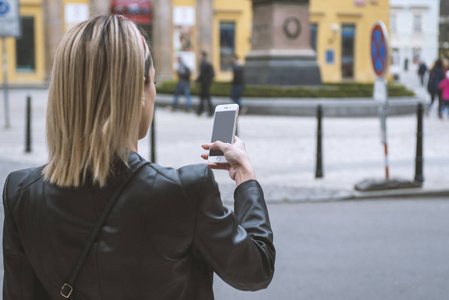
153, 138
28, 126
419, 146
319, 152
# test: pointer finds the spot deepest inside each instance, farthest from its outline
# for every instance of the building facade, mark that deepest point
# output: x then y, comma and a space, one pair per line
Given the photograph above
414, 33
26, 55
186, 27
43, 23
444, 29
340, 34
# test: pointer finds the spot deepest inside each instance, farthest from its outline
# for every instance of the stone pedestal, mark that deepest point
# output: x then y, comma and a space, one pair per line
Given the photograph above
280, 47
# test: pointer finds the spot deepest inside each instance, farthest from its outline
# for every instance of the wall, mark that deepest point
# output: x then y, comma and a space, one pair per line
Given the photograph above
49, 26
206, 32
31, 8
444, 28
240, 12
330, 15
405, 39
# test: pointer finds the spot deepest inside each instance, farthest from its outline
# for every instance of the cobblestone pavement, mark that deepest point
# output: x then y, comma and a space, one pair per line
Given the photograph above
282, 149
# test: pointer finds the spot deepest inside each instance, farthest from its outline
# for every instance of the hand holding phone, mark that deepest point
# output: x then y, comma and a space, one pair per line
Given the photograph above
225, 121
239, 166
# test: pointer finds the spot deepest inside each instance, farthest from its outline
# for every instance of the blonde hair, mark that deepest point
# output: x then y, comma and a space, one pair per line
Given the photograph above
95, 100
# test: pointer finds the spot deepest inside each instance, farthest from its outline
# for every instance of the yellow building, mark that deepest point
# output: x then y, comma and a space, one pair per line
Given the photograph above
219, 27
234, 17
43, 23
341, 32
25, 55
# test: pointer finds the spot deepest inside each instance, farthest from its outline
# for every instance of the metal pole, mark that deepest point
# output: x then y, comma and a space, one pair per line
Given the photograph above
28, 125
387, 168
153, 138
419, 146
383, 124
319, 152
5, 83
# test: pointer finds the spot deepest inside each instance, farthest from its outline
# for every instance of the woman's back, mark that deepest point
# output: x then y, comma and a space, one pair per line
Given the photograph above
166, 234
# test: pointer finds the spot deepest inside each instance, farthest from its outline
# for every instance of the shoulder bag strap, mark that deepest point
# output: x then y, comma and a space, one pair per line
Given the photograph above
67, 288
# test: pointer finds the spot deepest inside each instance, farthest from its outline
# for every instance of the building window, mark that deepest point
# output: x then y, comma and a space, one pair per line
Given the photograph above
416, 55
395, 57
313, 35
227, 45
25, 47
347, 50
417, 23
393, 23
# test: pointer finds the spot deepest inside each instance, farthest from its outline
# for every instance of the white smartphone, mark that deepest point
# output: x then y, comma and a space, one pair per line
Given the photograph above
225, 123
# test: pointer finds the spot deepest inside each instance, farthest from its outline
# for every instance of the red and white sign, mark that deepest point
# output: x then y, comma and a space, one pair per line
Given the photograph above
379, 48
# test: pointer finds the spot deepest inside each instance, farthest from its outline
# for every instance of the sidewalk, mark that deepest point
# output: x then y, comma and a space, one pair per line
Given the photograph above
282, 149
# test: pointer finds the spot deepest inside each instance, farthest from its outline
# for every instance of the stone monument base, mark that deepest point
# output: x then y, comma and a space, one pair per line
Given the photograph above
282, 67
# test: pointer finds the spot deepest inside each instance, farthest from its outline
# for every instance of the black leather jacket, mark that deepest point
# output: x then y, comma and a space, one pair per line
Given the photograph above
166, 235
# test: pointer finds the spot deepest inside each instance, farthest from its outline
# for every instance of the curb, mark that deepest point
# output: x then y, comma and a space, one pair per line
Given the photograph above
332, 107
354, 196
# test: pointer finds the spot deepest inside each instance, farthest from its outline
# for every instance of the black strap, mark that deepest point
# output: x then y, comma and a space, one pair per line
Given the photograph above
67, 288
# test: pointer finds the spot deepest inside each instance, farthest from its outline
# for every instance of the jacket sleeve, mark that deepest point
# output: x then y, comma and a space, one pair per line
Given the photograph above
238, 245
19, 281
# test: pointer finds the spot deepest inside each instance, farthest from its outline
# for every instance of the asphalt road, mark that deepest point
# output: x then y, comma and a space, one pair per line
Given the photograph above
381, 249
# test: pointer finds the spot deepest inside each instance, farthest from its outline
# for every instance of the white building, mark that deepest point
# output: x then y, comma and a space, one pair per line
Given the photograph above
414, 33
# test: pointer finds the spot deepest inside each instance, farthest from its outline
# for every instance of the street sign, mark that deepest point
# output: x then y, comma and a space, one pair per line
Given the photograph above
379, 48
379, 59
10, 18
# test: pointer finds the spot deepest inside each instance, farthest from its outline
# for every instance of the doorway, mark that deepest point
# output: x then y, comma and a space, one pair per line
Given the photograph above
347, 51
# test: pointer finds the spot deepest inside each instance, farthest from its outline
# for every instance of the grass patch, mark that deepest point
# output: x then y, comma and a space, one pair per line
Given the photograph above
339, 90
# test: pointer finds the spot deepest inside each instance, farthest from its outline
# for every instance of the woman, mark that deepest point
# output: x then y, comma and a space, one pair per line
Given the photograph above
435, 77
168, 230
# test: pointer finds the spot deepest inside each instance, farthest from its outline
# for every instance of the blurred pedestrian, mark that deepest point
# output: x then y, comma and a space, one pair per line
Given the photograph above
183, 85
436, 75
444, 88
238, 83
205, 78
422, 69
134, 229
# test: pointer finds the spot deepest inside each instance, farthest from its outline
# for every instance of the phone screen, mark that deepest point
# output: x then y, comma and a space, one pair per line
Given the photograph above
223, 129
